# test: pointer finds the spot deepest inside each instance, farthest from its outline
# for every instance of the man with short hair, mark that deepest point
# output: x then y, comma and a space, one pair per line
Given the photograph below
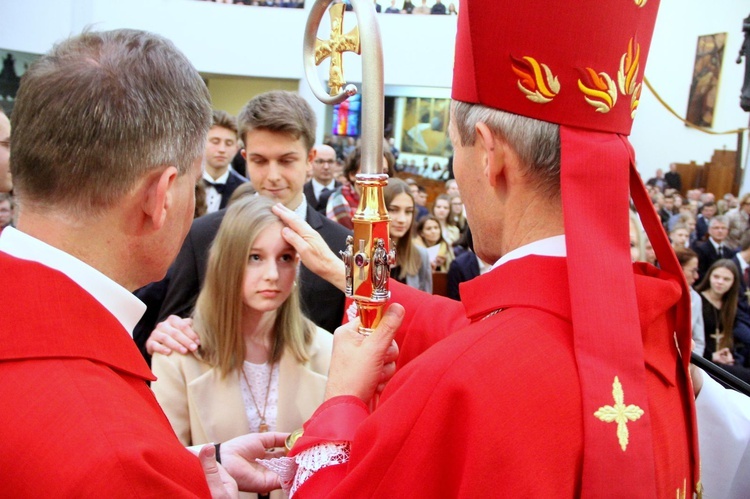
715, 248
108, 137
219, 177
706, 212
278, 131
319, 188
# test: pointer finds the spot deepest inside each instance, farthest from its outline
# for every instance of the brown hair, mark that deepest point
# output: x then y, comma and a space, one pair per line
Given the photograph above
728, 301
218, 311
407, 256
101, 110
684, 255
224, 120
279, 111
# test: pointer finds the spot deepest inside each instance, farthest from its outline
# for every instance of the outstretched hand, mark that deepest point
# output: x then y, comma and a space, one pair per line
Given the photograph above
238, 456
312, 248
221, 485
361, 365
173, 334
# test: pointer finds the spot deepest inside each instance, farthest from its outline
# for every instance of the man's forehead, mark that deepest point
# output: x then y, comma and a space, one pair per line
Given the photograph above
217, 130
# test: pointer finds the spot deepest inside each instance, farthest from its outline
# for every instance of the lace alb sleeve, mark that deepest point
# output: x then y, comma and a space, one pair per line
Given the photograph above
295, 471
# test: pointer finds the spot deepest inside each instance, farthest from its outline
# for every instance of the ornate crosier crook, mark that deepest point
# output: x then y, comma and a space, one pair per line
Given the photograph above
368, 255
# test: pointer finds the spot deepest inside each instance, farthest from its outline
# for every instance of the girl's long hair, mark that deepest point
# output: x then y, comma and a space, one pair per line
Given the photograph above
218, 311
728, 301
407, 256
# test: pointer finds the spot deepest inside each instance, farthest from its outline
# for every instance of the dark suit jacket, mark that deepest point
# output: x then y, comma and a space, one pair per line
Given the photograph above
317, 205
233, 181
707, 255
701, 227
321, 301
464, 268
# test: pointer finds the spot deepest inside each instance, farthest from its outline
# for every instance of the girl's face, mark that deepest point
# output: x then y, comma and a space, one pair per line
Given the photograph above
441, 209
457, 207
401, 210
721, 280
679, 237
430, 232
691, 271
270, 272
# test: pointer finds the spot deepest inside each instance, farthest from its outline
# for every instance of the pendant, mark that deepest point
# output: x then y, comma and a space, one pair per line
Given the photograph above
263, 427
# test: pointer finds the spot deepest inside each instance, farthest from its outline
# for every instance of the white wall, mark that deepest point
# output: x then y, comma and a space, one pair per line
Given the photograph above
658, 137
418, 54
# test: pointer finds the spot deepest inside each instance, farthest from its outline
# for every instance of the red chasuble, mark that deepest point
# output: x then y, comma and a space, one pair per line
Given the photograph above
487, 400
77, 416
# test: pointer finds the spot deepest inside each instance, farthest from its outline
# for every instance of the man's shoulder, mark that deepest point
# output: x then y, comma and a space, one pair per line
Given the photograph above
332, 232
207, 224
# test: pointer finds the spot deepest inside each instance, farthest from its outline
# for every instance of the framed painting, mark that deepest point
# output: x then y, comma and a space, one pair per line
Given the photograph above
709, 55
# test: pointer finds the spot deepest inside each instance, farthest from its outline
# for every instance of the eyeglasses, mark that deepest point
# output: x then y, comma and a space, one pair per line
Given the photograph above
324, 161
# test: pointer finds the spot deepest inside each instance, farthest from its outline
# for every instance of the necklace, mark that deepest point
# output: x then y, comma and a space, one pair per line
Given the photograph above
263, 427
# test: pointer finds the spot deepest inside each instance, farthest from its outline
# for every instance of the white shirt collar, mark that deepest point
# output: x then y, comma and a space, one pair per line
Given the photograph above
550, 246
301, 210
318, 187
221, 180
715, 244
120, 302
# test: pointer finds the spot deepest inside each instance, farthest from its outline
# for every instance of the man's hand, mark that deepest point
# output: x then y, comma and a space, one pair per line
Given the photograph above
312, 249
173, 334
723, 356
220, 483
361, 365
239, 454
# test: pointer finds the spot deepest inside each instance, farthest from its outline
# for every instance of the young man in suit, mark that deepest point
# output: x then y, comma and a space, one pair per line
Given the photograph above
219, 178
278, 130
319, 188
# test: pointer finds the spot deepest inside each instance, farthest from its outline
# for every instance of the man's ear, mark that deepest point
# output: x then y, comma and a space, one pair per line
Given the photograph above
310, 157
492, 154
244, 153
159, 196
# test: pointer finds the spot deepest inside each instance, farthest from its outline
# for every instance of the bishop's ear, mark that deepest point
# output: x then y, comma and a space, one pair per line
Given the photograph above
492, 153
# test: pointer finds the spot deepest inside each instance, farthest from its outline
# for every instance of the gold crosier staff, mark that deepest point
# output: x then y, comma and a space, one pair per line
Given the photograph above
368, 253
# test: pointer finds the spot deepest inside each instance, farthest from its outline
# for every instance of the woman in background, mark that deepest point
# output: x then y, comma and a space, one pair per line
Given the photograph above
430, 236
412, 261
689, 262
441, 209
719, 292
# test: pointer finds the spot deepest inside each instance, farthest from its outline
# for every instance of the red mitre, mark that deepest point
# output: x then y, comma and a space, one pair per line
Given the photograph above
580, 64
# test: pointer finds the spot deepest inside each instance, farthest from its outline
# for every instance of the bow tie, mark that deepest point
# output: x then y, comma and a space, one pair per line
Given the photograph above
219, 187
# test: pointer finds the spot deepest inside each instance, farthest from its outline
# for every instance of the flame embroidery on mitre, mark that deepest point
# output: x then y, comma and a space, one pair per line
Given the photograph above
640, 3
600, 90
536, 80
629, 67
635, 99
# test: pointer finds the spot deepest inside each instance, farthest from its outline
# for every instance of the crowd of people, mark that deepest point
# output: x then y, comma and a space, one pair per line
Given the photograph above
712, 241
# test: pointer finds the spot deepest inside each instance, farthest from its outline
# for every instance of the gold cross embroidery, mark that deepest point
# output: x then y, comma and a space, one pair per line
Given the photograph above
337, 45
619, 413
